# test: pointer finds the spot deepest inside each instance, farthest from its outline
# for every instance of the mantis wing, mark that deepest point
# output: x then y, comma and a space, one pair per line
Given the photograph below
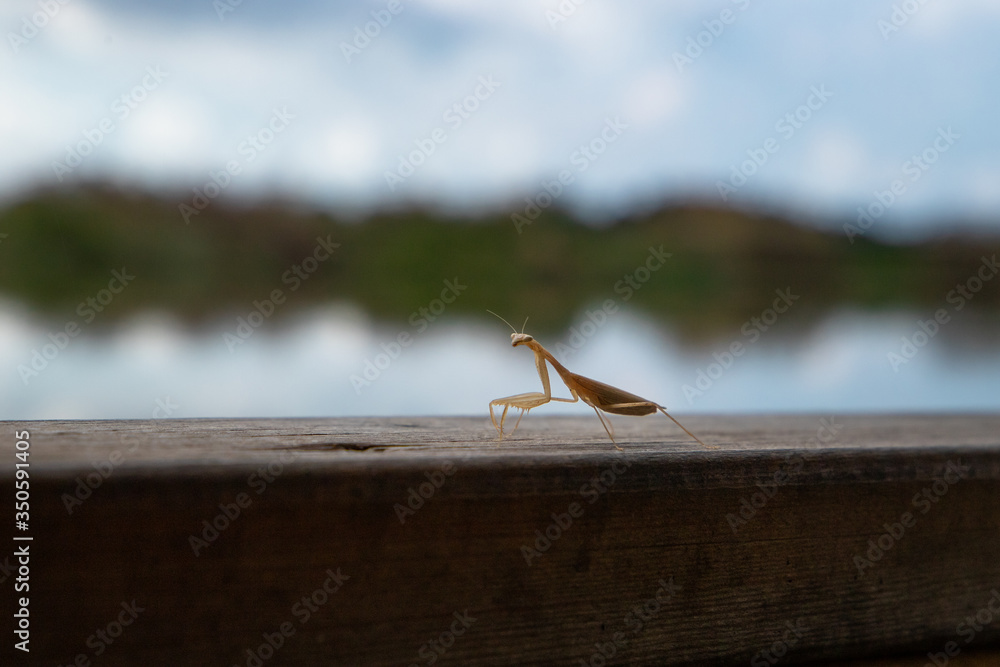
602, 396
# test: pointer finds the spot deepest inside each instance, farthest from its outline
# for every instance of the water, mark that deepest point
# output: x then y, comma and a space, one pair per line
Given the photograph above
153, 367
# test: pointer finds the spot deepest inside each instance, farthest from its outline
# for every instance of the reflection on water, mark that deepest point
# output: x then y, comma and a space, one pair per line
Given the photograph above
336, 362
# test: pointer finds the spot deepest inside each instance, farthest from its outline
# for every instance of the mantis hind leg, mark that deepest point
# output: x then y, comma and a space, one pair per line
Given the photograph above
697, 439
664, 411
607, 427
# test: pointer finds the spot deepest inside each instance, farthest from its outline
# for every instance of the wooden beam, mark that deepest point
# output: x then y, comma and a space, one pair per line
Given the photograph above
394, 540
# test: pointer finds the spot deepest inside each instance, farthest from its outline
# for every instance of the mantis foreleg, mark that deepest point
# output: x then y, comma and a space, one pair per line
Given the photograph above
529, 400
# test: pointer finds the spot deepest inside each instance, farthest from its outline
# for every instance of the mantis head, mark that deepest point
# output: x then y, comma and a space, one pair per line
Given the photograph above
520, 339
516, 338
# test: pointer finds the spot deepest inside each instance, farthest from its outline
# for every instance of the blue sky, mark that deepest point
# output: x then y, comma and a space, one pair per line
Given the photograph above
222, 76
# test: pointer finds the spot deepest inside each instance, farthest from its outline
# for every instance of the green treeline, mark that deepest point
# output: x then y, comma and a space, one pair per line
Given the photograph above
723, 266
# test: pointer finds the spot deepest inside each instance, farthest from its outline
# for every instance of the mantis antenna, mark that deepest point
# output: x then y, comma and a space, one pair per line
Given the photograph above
508, 323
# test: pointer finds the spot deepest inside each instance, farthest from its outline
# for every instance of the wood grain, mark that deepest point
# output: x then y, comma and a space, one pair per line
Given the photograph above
653, 525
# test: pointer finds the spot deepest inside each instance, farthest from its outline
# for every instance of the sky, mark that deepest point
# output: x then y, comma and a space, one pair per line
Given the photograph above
817, 109
830, 111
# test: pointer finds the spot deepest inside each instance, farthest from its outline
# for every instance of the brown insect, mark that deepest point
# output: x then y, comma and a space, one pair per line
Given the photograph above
596, 394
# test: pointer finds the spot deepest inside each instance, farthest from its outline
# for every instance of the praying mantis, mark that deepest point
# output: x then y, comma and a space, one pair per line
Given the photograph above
596, 394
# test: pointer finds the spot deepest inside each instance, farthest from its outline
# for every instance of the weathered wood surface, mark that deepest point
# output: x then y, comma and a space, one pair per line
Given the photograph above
323, 496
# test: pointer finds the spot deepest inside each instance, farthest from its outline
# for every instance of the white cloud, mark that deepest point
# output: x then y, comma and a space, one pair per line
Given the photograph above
350, 150
835, 163
353, 120
653, 96
984, 190
166, 134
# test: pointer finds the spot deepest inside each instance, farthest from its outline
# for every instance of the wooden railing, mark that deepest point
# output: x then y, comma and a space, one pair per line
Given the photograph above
398, 541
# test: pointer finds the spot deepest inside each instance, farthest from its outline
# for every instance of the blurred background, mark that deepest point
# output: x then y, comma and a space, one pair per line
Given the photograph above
250, 208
